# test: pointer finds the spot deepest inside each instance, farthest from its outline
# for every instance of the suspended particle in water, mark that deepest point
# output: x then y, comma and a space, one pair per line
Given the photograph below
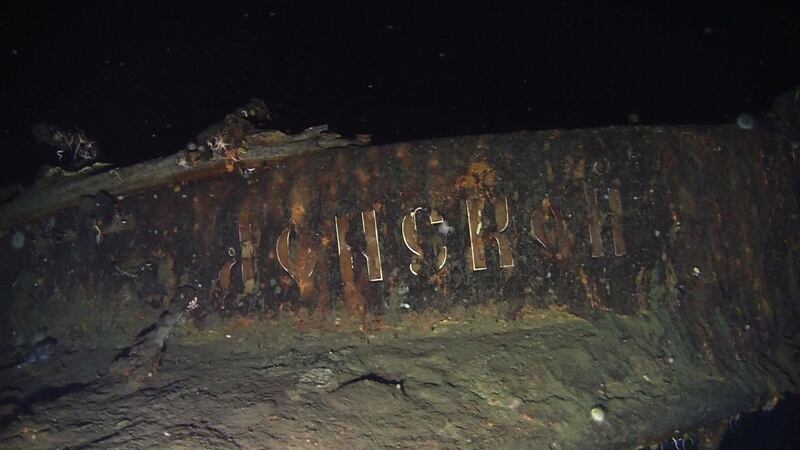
17, 240
746, 121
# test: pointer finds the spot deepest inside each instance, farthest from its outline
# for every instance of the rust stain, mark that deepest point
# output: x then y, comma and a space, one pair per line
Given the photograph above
249, 238
671, 281
298, 260
300, 198
568, 165
438, 183
555, 241
242, 323
224, 277
579, 173
715, 234
355, 303
480, 177
707, 337
716, 225
362, 175
404, 156
590, 288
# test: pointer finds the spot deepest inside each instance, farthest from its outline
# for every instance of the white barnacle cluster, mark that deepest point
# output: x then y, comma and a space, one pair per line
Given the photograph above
598, 414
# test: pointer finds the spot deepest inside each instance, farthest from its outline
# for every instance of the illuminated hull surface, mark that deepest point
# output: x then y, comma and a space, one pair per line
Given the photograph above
650, 271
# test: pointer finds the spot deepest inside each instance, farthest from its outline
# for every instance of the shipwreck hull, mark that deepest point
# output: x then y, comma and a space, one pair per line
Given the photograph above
669, 253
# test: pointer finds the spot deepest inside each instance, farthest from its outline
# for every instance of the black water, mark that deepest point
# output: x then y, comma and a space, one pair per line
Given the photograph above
778, 429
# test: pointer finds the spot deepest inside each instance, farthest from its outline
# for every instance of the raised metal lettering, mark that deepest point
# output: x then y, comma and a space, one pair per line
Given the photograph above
595, 221
299, 264
372, 250
411, 239
344, 250
248, 260
477, 233
549, 229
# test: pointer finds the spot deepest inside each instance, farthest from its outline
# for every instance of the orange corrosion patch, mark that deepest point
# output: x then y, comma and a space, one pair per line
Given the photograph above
362, 176
574, 170
298, 259
354, 302
590, 287
480, 177
249, 237
404, 156
225, 275
300, 198
242, 323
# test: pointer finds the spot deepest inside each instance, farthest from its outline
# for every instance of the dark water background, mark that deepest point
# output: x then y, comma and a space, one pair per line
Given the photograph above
143, 78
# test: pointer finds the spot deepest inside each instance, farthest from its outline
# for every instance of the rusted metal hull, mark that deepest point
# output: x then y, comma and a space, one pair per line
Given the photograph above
695, 224
581, 219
